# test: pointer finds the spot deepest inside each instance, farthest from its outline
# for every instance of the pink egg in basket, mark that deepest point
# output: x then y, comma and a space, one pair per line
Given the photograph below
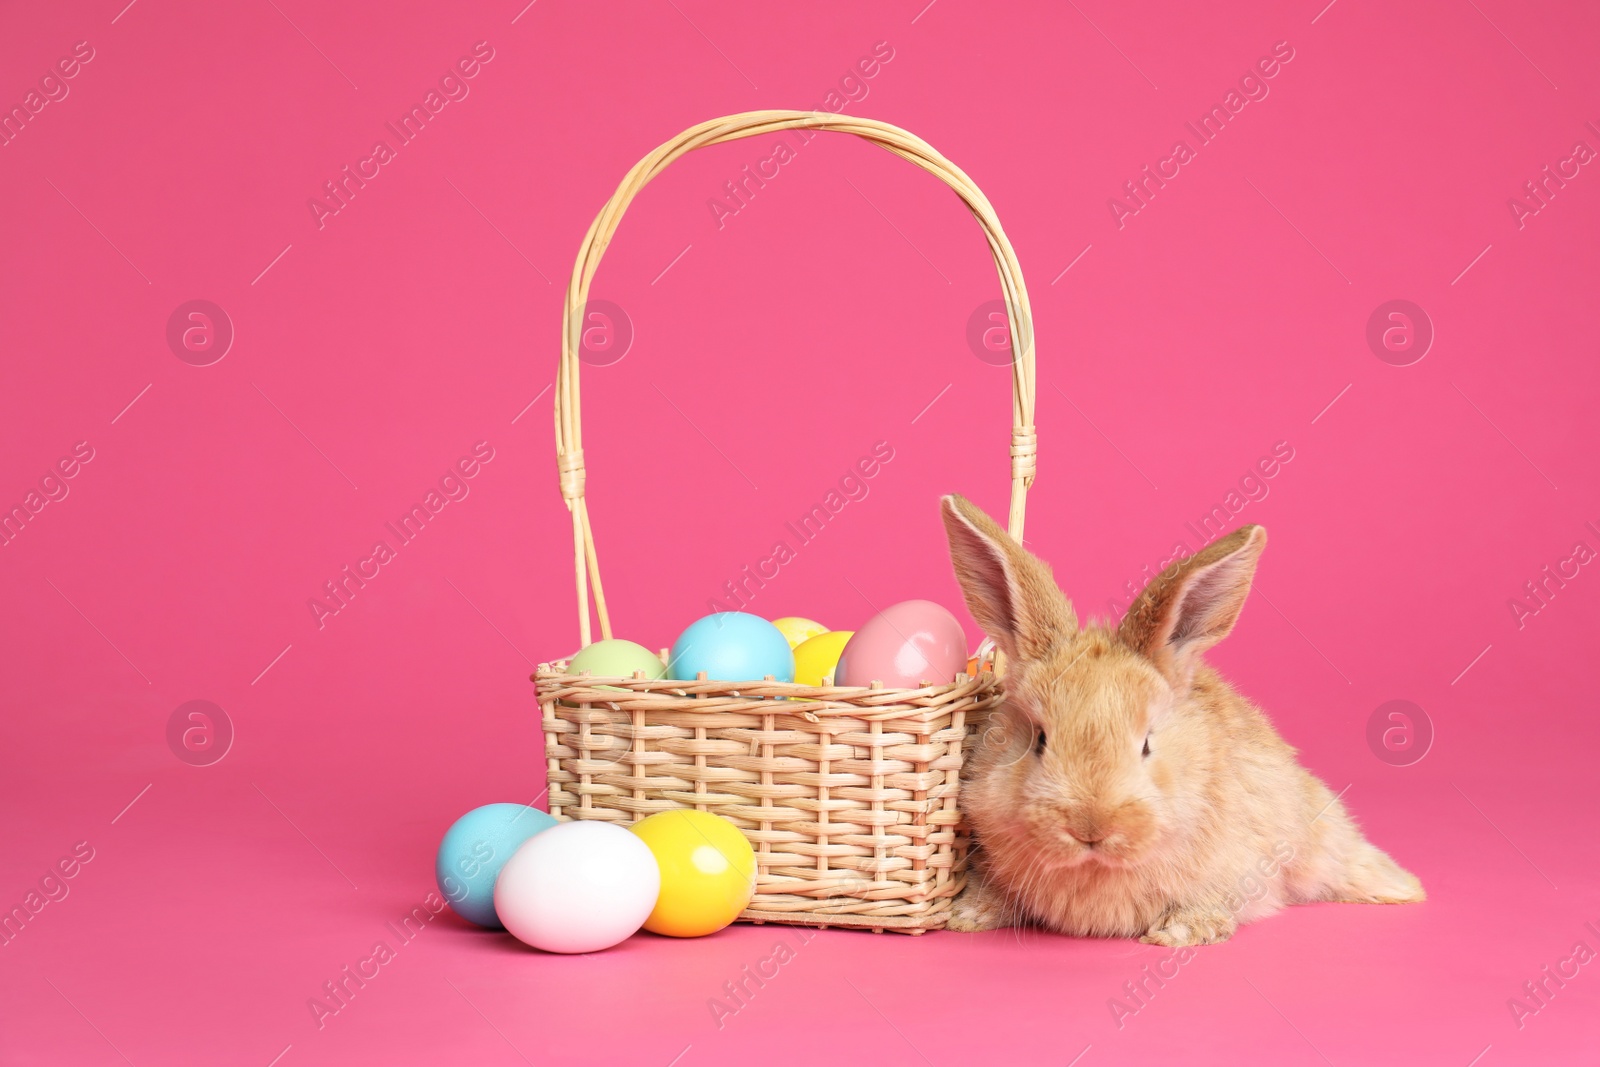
903, 646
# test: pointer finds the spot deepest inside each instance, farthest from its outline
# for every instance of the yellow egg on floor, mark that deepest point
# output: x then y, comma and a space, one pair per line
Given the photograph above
708, 871
795, 629
817, 658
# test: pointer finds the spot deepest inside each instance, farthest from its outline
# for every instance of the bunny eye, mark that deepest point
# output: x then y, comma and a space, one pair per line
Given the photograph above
1146, 753
1039, 742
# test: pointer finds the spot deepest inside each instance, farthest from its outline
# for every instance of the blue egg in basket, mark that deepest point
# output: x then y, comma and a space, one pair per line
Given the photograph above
731, 646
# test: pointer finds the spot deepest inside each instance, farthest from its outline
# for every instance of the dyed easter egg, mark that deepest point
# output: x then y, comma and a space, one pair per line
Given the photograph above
818, 658
708, 871
903, 646
616, 658
578, 887
731, 646
796, 630
474, 850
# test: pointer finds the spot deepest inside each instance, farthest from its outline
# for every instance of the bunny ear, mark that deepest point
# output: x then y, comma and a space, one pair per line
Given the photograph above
1009, 590
1192, 605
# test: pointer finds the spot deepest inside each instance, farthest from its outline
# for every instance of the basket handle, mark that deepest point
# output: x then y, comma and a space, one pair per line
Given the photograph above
569, 434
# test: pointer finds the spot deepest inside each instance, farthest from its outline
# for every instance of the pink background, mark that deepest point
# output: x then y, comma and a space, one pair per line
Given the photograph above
375, 351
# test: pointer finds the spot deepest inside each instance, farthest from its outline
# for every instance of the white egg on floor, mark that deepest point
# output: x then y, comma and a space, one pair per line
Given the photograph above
578, 887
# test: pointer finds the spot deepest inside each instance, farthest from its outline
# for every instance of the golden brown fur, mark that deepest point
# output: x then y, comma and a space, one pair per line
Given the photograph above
1083, 832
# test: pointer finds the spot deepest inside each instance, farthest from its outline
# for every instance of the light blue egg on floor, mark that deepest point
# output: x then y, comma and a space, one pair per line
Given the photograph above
732, 646
473, 851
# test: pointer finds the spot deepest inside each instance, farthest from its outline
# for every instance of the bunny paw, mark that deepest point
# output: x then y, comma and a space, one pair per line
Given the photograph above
1191, 926
978, 908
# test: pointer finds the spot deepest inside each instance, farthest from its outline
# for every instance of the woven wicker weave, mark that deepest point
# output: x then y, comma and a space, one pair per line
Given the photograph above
849, 795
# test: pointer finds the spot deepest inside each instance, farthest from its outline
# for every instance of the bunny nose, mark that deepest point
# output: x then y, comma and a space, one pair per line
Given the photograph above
1091, 837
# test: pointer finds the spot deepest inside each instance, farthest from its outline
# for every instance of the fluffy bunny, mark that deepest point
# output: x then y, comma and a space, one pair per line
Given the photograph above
1123, 788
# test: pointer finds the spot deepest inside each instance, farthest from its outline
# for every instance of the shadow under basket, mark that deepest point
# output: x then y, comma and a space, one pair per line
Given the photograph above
847, 795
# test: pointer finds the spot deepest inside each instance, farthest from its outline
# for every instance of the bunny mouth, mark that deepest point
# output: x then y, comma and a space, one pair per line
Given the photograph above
1109, 851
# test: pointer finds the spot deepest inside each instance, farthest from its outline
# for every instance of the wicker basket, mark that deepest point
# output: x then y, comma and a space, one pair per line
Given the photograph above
848, 795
